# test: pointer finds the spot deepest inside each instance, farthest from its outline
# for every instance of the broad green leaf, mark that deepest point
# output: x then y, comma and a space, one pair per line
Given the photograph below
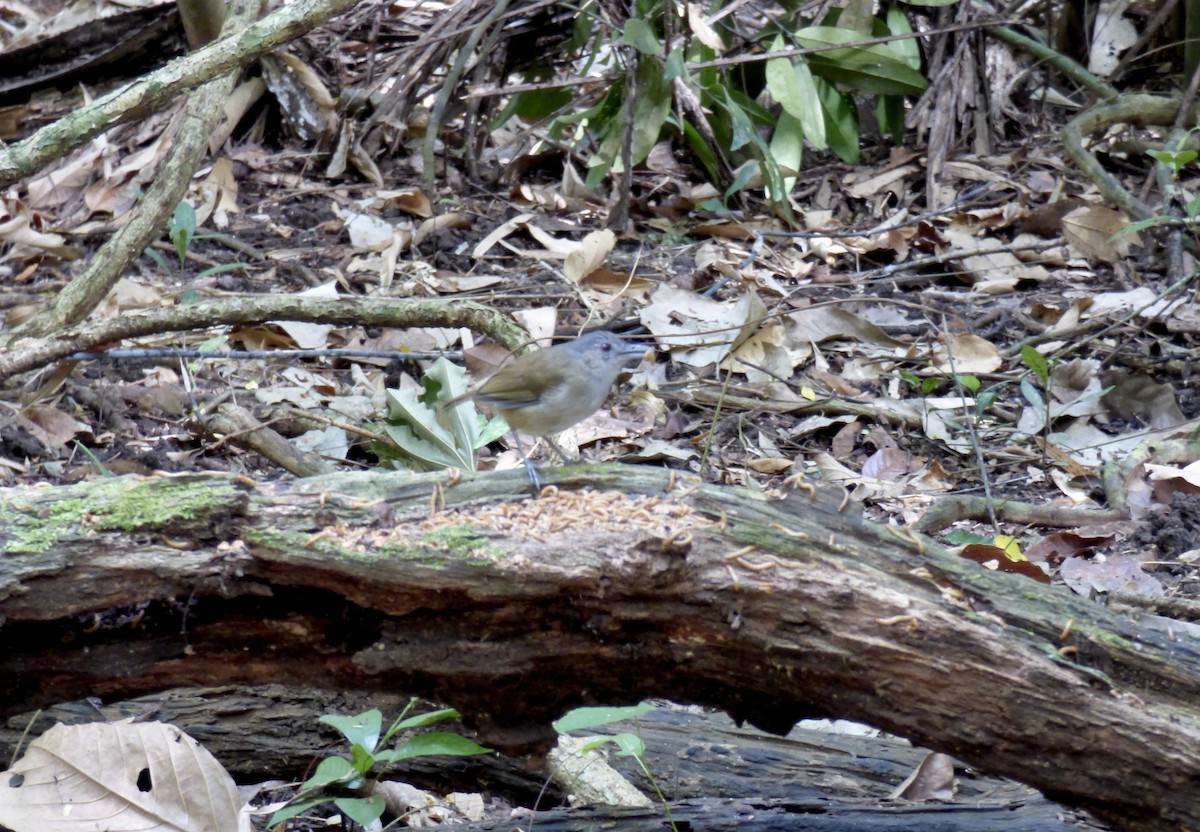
463, 418
891, 79
652, 107
490, 430
182, 228
335, 769
422, 720
791, 84
1036, 362
857, 16
813, 37
532, 105
744, 174
362, 810
641, 36
581, 719
1140, 225
703, 151
362, 758
221, 269
787, 149
676, 66
907, 49
1032, 395
361, 728
841, 121
631, 745
424, 454
419, 431
889, 112
774, 176
650, 111
743, 127
437, 743
295, 807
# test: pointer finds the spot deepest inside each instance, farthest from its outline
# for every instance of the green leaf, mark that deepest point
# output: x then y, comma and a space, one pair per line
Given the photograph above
1036, 362
841, 121
743, 176
854, 53
362, 810
650, 112
333, 769
651, 109
428, 454
490, 430
581, 719
985, 400
463, 418
962, 538
361, 758
182, 228
702, 150
631, 745
1140, 225
641, 36
907, 49
533, 105
787, 149
889, 112
222, 269
743, 127
362, 729
791, 84
969, 382
157, 258
423, 720
296, 806
1032, 395
433, 436
676, 66
437, 743
895, 79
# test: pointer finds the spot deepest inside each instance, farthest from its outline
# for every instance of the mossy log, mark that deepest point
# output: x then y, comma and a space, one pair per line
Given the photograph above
513, 610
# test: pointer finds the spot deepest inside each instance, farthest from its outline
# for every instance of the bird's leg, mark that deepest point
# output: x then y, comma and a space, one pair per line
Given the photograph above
529, 469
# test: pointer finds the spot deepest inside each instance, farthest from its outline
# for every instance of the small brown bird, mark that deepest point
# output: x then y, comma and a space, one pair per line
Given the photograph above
547, 391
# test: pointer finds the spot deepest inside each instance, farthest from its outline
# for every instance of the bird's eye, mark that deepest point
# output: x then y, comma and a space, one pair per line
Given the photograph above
606, 347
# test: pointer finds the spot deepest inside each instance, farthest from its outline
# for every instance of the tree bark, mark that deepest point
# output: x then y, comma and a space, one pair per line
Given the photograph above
514, 611
268, 732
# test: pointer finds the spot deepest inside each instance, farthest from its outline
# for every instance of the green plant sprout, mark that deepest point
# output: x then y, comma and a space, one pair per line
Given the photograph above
368, 758
628, 745
425, 434
181, 231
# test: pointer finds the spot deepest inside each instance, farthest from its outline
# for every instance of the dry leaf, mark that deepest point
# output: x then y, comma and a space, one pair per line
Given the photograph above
119, 777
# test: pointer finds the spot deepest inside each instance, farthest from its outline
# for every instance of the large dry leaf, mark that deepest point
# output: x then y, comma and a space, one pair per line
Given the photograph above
1089, 231
119, 778
699, 330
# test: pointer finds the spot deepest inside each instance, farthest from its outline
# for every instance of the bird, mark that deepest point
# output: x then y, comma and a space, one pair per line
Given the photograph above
547, 391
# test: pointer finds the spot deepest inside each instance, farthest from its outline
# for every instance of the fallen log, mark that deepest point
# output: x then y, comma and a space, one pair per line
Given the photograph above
514, 610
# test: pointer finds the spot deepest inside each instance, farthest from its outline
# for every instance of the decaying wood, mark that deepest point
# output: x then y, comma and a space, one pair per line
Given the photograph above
515, 610
701, 760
